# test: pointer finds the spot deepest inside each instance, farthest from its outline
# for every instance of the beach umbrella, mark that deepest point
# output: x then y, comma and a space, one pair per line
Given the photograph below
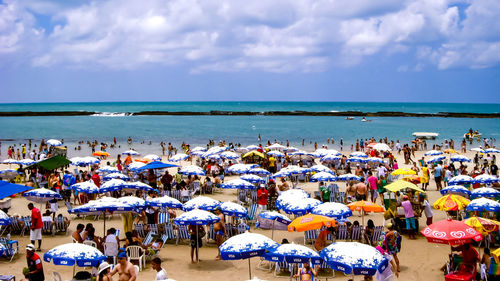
153, 157
108, 169
275, 153
156, 165
299, 207
321, 168
403, 171
239, 168
100, 153
9, 173
358, 154
355, 258
333, 210
323, 176
451, 202
298, 153
291, 195
483, 204
365, 207
259, 171
295, 170
9, 161
459, 158
74, 254
451, 189
233, 209
461, 179
486, 179
491, 150
164, 201
178, 157
252, 147
198, 148
435, 159
229, 155
216, 149
290, 149
192, 170
119, 176
375, 160
401, 184
483, 225
272, 220
84, 161
477, 149
41, 195
433, 153
202, 203
130, 152
252, 178
381, 147
356, 160
26, 162
137, 185
450, 232
136, 202
241, 149
134, 166
293, 253
245, 246
4, 218
276, 146
113, 185
239, 184
253, 153
215, 157
485, 192
281, 174
348, 177
53, 142
196, 153
330, 157
87, 187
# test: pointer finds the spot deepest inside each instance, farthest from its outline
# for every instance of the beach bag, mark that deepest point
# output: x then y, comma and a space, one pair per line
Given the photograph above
201, 232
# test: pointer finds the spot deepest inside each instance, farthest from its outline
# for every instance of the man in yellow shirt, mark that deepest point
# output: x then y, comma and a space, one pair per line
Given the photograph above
272, 164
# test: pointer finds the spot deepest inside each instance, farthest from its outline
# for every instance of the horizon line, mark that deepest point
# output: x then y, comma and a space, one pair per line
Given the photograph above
253, 101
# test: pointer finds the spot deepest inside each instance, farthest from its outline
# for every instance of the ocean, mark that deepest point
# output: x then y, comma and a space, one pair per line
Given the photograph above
197, 130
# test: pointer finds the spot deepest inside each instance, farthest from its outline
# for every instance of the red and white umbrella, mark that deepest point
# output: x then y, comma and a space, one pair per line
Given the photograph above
451, 232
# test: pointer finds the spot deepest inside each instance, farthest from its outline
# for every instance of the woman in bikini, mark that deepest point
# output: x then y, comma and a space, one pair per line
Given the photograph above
305, 272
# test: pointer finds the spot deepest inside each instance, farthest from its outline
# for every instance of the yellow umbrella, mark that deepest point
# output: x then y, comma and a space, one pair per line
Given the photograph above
401, 184
450, 151
482, 225
496, 255
451, 202
252, 153
403, 171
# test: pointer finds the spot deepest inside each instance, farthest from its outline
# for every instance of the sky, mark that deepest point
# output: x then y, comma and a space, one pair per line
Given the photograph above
235, 50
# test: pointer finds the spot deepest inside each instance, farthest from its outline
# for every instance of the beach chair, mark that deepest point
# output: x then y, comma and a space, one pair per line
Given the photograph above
27, 224
169, 231
90, 243
136, 253
242, 228
139, 227
48, 227
211, 233
149, 238
310, 236
164, 239
342, 233
342, 197
301, 177
253, 196
324, 271
60, 225
252, 210
163, 217
15, 226
281, 267
356, 233
242, 196
177, 194
229, 229
11, 246
182, 233
377, 232
154, 228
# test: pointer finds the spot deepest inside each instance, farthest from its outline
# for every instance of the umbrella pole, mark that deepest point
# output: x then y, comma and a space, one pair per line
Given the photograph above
104, 230
197, 249
272, 233
74, 265
249, 270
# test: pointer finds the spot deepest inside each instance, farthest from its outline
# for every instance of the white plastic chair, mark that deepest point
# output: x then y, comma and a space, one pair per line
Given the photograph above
90, 243
134, 253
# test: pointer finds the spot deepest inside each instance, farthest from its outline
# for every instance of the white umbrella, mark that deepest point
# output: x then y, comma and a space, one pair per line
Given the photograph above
26, 162
276, 153
239, 184
202, 203
108, 169
53, 142
233, 209
229, 155
9, 161
153, 157
178, 157
192, 170
130, 152
358, 154
433, 153
116, 176
276, 146
134, 166
198, 148
88, 187
321, 168
41, 195
381, 147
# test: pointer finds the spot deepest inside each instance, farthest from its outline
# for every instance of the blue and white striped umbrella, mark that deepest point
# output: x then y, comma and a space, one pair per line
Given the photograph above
348, 177
435, 159
105, 204
216, 149
74, 253
246, 245
376, 160
138, 186
485, 192
323, 176
276, 153
4, 218
136, 166
130, 152
273, 220
477, 149
202, 203
461, 179
276, 146
324, 152
459, 158
295, 170
321, 168
492, 150
330, 157
116, 176
356, 160
215, 157
239, 184
290, 149
252, 178
252, 147
229, 155
455, 189
53, 142
41, 195
354, 257
178, 157
259, 171
433, 153
233, 209
239, 168
192, 170
196, 217
196, 153
486, 179
293, 253
164, 201
26, 162
113, 185
281, 174
291, 195
358, 154
136, 202
483, 204
108, 169
198, 148
152, 157
332, 210
87, 187
84, 161
299, 207
9, 161
298, 153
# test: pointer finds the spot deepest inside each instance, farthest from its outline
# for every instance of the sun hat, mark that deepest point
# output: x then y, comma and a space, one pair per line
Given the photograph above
103, 266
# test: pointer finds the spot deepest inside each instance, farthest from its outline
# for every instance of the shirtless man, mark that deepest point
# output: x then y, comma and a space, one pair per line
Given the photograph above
77, 235
361, 190
284, 185
351, 193
320, 242
220, 231
125, 269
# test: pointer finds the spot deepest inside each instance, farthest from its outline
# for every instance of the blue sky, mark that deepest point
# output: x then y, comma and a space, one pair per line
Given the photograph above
301, 50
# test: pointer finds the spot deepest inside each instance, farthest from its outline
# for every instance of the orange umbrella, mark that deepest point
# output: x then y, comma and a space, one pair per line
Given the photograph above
100, 153
365, 206
310, 222
143, 160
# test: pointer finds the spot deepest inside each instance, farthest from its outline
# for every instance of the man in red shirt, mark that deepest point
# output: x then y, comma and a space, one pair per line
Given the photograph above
36, 226
35, 266
470, 258
96, 179
262, 195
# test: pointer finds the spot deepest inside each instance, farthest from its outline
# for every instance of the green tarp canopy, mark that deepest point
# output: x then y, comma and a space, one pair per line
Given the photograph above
52, 163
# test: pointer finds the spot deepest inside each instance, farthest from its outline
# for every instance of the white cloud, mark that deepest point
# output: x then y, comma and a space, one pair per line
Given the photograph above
237, 35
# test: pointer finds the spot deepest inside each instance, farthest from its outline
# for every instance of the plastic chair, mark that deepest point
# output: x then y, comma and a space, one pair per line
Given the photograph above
182, 233
356, 233
169, 231
90, 243
342, 233
136, 253
310, 236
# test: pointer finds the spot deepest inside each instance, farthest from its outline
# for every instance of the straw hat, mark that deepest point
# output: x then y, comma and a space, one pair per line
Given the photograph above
103, 266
